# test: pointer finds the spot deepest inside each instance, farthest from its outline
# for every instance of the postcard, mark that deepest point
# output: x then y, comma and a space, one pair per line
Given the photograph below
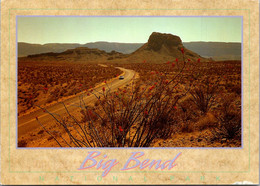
114, 92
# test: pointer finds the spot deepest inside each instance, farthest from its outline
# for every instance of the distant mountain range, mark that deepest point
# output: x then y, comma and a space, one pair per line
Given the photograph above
160, 48
215, 50
25, 49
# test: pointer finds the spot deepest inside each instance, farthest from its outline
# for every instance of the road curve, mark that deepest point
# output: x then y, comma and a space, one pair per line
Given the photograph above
28, 123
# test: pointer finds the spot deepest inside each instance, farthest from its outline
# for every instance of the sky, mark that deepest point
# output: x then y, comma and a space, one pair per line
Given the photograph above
41, 30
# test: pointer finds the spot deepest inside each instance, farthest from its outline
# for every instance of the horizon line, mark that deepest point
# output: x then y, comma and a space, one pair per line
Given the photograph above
127, 42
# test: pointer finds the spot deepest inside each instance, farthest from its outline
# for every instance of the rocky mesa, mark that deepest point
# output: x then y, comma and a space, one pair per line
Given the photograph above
162, 47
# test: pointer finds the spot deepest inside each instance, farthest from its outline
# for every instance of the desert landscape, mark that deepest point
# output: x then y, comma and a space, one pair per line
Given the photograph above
155, 94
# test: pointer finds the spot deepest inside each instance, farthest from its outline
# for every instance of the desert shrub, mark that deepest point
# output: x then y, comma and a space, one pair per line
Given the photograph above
187, 116
229, 120
206, 121
203, 96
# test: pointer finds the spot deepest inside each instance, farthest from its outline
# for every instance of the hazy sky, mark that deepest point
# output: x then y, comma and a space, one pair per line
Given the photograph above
126, 29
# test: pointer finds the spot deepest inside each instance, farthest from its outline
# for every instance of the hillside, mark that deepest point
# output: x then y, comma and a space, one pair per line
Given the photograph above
125, 48
25, 49
80, 54
161, 48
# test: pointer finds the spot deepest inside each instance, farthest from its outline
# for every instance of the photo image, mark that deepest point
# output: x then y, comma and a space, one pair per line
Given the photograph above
129, 81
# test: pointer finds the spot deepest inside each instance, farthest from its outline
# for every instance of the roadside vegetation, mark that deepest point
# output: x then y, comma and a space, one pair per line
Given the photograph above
44, 83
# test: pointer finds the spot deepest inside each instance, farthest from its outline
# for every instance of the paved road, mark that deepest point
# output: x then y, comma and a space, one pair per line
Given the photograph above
27, 123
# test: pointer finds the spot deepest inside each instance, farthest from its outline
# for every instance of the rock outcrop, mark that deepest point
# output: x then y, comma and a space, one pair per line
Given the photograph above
163, 47
157, 41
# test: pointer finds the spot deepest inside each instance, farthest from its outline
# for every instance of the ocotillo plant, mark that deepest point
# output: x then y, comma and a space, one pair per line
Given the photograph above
129, 117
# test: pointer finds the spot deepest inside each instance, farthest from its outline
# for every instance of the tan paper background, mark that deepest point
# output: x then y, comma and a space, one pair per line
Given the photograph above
59, 166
